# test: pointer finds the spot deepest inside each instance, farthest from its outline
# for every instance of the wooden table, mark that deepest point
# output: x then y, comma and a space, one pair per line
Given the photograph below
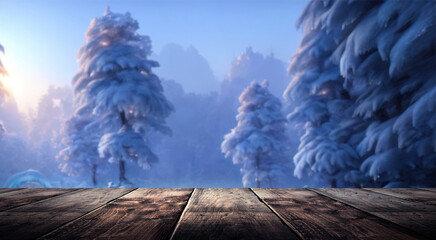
230, 213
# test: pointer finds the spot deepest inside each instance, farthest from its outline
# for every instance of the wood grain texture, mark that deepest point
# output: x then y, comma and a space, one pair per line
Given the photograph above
415, 216
315, 216
229, 214
411, 194
4, 190
429, 189
141, 214
33, 220
25, 196
217, 214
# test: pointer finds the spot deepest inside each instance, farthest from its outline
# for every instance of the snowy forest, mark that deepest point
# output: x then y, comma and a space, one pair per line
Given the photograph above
355, 106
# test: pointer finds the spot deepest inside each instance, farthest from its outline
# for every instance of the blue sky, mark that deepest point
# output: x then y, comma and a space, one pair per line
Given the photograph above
41, 37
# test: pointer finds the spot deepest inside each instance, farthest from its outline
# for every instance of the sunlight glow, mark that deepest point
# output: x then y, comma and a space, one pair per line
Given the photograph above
12, 80
18, 84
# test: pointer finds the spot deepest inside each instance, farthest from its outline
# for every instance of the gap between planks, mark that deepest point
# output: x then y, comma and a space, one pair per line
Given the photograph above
230, 213
176, 226
20, 190
278, 215
189, 203
319, 217
428, 189
378, 214
409, 194
5, 190
96, 209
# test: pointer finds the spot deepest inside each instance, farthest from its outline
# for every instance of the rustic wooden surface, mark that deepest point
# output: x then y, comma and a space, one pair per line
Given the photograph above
218, 213
31, 220
13, 199
411, 194
315, 216
230, 213
125, 217
420, 217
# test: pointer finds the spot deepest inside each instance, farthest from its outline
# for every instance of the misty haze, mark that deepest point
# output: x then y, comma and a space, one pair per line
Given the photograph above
217, 93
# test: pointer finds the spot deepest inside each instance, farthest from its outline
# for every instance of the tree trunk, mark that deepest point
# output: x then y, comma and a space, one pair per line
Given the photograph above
94, 173
333, 183
121, 161
123, 118
122, 171
257, 172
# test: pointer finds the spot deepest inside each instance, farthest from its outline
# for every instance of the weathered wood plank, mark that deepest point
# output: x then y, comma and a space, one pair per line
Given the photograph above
4, 190
229, 214
415, 216
35, 219
411, 194
429, 189
141, 214
315, 216
25, 196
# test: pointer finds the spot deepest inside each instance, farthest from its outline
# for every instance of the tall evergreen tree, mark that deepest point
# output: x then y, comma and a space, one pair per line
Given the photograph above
116, 85
323, 107
80, 156
257, 140
378, 57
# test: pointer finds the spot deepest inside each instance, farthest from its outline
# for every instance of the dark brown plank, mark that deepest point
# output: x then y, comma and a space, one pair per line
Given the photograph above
4, 190
141, 214
315, 216
33, 220
411, 194
29, 195
229, 214
415, 216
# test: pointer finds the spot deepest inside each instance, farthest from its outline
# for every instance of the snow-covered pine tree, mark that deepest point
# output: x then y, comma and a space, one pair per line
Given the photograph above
389, 60
323, 111
80, 156
116, 84
385, 54
257, 141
